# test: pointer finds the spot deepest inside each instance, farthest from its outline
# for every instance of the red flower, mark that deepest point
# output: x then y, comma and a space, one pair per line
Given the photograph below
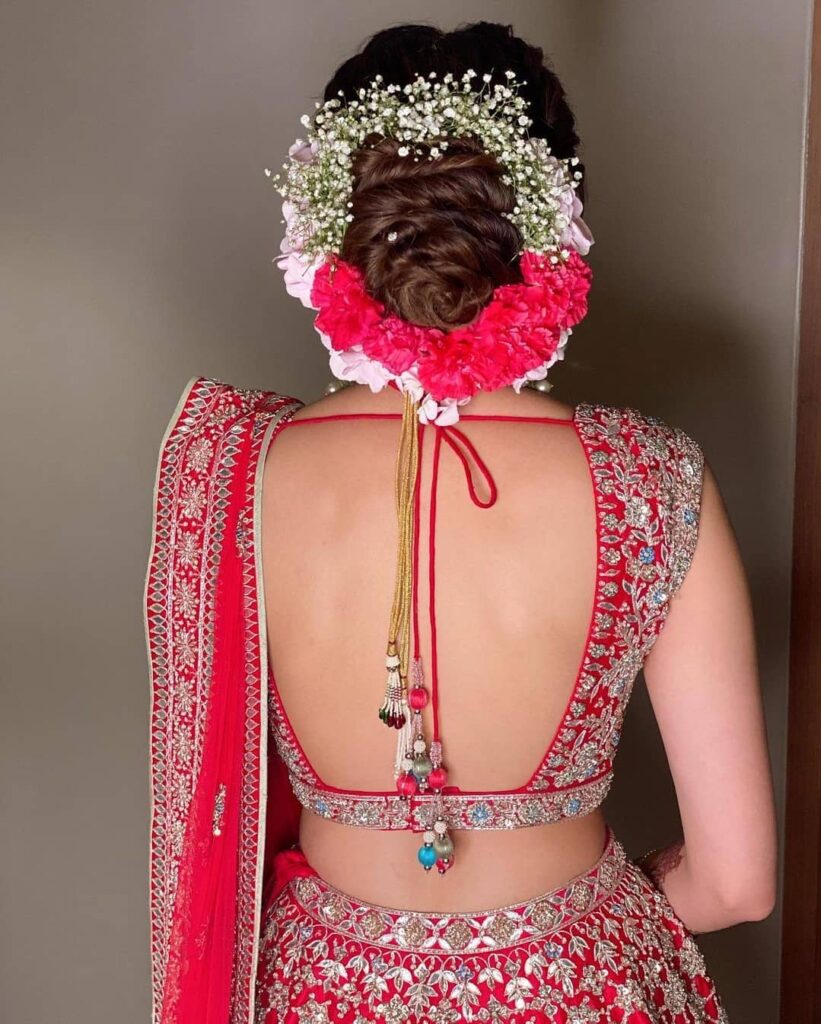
394, 343
575, 276
346, 311
519, 330
564, 286
445, 365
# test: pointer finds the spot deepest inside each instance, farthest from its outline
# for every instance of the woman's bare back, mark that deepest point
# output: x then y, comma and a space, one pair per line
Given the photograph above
514, 594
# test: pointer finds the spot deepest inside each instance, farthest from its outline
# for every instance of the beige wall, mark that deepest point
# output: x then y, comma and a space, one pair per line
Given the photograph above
137, 235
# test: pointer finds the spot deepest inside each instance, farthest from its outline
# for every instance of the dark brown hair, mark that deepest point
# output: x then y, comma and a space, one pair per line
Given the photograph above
431, 236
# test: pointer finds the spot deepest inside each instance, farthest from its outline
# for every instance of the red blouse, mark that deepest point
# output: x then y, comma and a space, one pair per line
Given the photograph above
646, 481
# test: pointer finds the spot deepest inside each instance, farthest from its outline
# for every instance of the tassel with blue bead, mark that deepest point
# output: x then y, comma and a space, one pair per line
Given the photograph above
437, 847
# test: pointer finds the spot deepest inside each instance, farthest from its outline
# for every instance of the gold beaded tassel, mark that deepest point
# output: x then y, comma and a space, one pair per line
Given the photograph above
394, 711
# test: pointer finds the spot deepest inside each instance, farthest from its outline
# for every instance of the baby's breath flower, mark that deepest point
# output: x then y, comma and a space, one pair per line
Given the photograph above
425, 113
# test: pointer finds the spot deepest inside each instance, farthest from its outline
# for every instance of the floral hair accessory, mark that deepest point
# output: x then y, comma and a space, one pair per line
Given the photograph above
516, 337
318, 182
523, 331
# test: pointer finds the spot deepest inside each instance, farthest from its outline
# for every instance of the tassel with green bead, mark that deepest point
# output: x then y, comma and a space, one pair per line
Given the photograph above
437, 847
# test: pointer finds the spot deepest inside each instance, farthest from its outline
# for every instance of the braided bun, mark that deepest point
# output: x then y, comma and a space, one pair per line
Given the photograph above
430, 235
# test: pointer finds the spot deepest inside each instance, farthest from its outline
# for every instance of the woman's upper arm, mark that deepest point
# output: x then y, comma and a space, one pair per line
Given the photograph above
702, 679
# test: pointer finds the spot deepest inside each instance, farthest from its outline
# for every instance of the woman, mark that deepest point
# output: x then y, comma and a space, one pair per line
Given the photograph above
426, 842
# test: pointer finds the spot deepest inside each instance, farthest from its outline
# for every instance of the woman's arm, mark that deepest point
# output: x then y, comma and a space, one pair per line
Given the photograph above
702, 679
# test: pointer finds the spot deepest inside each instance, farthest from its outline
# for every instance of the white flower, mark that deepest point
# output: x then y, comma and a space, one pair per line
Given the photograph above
317, 183
577, 234
540, 372
444, 413
354, 365
408, 381
299, 271
303, 152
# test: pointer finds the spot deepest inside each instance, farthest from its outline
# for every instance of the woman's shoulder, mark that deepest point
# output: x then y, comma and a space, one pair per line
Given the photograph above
627, 424
644, 454
208, 410
219, 402
244, 398
652, 473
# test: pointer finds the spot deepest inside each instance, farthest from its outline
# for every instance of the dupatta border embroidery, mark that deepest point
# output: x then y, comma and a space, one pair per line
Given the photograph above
195, 471
176, 601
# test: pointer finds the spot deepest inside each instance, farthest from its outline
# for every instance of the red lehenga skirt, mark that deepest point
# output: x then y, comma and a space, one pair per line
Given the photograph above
606, 946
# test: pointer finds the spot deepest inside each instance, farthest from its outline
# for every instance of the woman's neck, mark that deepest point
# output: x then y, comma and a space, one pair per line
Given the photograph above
358, 398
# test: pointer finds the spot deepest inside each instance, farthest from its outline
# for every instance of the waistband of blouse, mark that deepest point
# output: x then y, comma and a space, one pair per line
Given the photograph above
461, 810
464, 931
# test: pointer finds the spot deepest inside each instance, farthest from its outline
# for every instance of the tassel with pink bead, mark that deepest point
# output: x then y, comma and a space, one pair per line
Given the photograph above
417, 769
422, 770
442, 841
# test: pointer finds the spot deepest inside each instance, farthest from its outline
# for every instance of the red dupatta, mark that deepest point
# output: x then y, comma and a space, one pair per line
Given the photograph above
221, 805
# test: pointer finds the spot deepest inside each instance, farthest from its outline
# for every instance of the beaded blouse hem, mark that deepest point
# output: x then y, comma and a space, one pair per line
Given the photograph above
463, 810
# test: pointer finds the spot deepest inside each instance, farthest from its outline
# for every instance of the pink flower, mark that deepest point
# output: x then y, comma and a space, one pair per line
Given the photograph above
394, 343
521, 332
544, 341
576, 276
445, 365
355, 366
576, 235
536, 268
497, 362
561, 287
347, 313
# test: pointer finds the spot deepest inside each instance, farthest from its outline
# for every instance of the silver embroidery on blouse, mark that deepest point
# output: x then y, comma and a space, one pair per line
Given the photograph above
647, 480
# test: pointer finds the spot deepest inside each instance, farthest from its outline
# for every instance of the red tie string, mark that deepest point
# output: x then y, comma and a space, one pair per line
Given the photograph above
449, 435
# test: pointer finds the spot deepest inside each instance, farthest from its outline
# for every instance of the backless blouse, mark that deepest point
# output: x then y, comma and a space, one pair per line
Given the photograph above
646, 481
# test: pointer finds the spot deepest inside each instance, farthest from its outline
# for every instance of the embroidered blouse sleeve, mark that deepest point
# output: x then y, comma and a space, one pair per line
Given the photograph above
686, 474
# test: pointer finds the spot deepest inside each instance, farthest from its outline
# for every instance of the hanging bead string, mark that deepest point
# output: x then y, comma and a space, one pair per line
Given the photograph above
394, 710
434, 659
437, 845
419, 766
413, 725
407, 782
416, 531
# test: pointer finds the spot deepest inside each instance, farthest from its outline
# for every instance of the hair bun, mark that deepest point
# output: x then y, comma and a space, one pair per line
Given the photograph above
429, 234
